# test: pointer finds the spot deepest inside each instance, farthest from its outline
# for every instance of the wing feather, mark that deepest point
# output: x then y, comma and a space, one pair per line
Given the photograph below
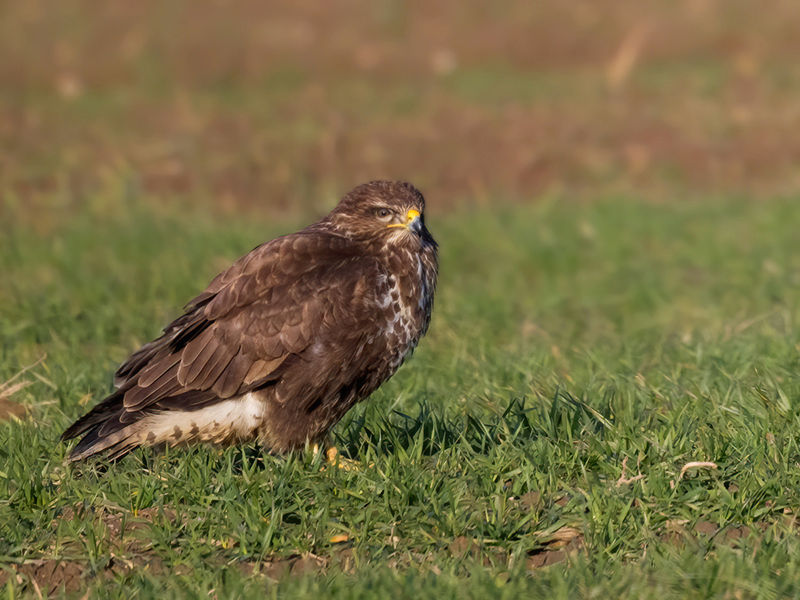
191, 354
213, 369
232, 378
138, 396
193, 371
157, 368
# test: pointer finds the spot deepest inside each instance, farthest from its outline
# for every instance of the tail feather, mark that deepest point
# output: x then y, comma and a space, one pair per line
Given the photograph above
103, 427
100, 414
118, 444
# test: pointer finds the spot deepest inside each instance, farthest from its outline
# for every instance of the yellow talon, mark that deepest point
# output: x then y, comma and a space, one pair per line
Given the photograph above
331, 454
332, 458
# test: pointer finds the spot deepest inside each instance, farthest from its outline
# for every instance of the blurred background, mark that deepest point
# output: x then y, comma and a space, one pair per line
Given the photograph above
235, 106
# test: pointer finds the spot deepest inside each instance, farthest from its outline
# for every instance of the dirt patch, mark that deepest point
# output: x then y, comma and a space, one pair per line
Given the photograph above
557, 547
118, 521
462, 546
133, 553
531, 501
9, 410
546, 558
52, 576
680, 533
125, 530
47, 576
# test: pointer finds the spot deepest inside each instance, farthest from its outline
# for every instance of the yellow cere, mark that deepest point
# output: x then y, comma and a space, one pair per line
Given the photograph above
410, 216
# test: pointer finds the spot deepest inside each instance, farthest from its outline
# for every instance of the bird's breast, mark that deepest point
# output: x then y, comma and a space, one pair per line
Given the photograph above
406, 303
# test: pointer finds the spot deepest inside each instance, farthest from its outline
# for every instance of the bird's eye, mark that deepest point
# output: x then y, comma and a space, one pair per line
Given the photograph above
383, 212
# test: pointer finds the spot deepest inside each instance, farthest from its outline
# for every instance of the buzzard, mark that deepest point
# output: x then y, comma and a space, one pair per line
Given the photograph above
285, 341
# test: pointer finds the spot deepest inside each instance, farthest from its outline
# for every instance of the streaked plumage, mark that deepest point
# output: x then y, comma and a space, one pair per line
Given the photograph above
284, 342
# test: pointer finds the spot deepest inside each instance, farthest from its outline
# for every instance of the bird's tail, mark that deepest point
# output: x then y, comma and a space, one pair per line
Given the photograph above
191, 416
104, 429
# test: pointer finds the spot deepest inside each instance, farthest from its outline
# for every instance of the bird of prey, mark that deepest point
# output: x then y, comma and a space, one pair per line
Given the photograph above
285, 341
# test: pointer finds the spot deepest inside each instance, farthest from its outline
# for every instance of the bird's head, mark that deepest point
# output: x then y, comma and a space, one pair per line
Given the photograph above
391, 212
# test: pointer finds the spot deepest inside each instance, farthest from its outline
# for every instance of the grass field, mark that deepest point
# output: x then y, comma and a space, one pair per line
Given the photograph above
579, 357
616, 191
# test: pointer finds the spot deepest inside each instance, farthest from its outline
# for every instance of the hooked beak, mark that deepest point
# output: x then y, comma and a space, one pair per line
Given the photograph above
413, 222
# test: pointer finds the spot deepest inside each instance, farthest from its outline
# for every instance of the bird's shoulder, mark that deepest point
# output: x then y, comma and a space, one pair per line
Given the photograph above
288, 267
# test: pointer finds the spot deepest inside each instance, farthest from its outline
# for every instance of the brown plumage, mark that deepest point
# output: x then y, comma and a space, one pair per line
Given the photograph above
284, 342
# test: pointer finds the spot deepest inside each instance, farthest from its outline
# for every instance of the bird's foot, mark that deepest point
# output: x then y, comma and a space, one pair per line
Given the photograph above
333, 458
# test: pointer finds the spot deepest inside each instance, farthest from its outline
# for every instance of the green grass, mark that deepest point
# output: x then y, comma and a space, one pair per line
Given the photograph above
566, 338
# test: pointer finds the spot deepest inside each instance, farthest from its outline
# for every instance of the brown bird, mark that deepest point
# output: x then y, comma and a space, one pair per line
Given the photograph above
284, 342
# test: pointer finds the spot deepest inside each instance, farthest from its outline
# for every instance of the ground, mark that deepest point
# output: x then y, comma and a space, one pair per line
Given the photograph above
607, 402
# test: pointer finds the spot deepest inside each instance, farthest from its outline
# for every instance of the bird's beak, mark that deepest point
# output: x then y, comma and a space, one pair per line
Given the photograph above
413, 221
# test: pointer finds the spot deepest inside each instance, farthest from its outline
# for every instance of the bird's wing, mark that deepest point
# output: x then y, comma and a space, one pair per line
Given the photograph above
253, 318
